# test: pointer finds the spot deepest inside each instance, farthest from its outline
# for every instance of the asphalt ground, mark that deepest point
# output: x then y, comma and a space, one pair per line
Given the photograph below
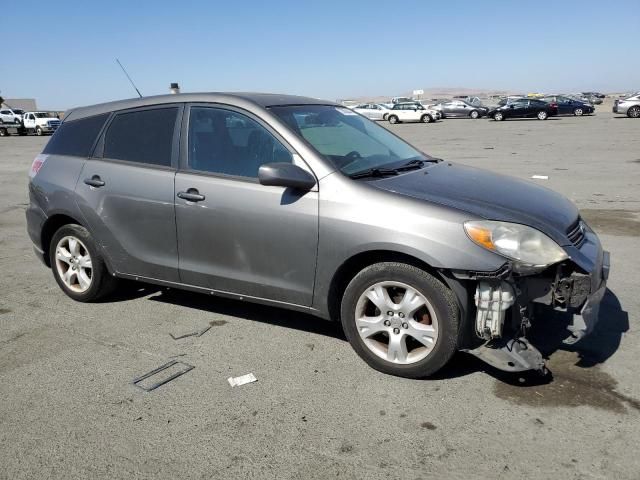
68, 408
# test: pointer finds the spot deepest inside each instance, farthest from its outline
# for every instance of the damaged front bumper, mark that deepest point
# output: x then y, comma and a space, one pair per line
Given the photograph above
506, 304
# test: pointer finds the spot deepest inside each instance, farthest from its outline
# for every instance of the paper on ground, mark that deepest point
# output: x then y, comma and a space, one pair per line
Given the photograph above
242, 379
541, 177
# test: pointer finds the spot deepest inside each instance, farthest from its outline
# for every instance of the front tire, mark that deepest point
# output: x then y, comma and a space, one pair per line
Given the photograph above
78, 266
498, 116
578, 112
633, 112
393, 119
38, 131
542, 115
400, 319
474, 114
426, 118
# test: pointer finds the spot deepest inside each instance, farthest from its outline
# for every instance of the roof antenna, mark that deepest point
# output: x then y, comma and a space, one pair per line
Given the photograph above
125, 72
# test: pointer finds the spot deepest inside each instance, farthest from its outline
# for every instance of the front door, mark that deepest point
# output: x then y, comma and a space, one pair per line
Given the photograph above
234, 234
125, 192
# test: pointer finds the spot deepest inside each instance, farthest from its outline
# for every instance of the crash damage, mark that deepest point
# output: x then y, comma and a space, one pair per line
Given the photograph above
505, 304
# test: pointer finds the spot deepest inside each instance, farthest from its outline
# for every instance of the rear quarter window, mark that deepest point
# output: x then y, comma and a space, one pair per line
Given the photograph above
76, 138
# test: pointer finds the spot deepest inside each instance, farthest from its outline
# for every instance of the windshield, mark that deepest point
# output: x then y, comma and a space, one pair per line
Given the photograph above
18, 111
349, 141
41, 115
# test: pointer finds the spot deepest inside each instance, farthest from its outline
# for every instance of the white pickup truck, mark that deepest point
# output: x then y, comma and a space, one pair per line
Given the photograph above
40, 123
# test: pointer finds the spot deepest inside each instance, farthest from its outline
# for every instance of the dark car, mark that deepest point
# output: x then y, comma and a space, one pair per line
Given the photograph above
569, 106
524, 108
461, 109
303, 204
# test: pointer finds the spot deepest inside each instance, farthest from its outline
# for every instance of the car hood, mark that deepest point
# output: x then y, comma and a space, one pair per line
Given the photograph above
488, 195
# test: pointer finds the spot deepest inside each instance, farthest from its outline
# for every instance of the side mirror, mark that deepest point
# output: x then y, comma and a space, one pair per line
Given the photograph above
282, 174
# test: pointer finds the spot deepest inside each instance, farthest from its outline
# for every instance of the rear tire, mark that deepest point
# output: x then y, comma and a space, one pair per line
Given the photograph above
474, 114
393, 119
498, 116
3, 132
578, 112
78, 266
426, 118
542, 115
436, 317
633, 112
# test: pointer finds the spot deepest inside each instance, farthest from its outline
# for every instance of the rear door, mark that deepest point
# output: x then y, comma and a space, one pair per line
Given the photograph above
234, 234
126, 191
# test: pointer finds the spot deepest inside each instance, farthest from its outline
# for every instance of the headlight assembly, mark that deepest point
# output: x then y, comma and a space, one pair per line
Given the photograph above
526, 245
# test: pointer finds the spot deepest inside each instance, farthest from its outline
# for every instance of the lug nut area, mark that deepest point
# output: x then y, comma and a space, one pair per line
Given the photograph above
387, 323
390, 313
401, 315
396, 331
405, 326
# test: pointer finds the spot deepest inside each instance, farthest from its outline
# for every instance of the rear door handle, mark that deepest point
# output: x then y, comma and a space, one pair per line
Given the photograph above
94, 181
191, 195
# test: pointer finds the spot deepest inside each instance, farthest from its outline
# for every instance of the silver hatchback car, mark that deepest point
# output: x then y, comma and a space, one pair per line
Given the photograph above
306, 205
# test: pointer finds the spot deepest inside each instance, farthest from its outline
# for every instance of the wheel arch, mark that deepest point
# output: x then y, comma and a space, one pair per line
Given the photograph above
357, 262
51, 225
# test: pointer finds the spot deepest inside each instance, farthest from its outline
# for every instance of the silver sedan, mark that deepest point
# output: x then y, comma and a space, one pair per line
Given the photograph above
372, 111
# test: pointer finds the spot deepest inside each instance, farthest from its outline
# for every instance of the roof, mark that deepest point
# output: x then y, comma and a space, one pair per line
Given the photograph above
245, 100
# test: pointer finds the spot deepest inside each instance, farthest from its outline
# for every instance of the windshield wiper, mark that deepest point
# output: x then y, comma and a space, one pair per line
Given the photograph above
374, 172
413, 164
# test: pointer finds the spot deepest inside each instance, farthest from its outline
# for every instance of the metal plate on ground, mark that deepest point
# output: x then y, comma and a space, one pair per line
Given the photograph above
164, 374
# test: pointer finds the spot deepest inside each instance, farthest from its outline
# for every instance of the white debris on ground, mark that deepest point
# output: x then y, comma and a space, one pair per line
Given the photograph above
242, 380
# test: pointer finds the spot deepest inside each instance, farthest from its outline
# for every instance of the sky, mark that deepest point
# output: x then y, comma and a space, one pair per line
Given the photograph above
63, 53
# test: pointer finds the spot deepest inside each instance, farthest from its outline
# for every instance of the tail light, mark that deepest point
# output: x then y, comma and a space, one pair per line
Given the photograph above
553, 105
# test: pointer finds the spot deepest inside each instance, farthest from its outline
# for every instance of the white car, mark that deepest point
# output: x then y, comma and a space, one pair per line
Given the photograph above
11, 115
412, 112
40, 123
372, 111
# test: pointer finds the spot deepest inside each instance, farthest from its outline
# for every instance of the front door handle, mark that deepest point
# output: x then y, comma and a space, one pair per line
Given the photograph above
191, 195
94, 181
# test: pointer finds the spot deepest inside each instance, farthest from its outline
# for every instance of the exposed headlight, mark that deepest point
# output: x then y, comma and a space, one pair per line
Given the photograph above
527, 246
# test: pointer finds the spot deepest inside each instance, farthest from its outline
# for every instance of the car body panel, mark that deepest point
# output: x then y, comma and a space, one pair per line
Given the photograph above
247, 238
133, 216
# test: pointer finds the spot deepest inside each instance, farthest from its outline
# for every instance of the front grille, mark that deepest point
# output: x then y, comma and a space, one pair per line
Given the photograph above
575, 233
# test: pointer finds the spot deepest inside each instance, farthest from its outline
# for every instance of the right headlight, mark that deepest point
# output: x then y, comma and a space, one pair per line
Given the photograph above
526, 245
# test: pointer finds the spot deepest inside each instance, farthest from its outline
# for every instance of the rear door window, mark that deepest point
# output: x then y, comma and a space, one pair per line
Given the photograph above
75, 138
144, 136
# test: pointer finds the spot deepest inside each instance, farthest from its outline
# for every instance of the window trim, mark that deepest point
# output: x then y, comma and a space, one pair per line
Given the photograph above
98, 150
183, 166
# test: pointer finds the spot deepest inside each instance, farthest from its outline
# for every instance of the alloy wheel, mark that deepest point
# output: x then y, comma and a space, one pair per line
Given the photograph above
73, 264
578, 112
396, 322
634, 112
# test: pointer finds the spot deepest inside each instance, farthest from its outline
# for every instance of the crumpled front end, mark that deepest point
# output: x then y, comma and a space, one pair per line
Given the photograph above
507, 302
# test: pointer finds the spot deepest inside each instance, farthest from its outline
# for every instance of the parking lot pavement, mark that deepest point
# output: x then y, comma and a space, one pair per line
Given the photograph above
69, 409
